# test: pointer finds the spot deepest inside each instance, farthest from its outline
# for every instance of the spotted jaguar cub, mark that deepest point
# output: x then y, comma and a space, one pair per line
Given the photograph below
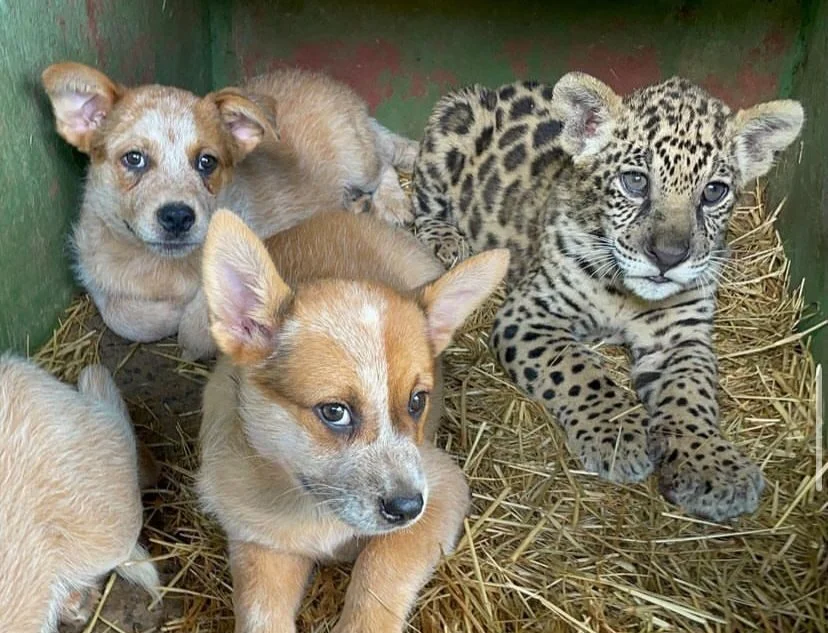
615, 209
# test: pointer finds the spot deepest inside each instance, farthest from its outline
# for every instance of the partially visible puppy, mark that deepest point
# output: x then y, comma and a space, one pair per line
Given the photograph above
70, 504
319, 418
162, 160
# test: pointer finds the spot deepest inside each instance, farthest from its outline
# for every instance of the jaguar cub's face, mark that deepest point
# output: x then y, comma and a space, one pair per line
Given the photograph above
661, 169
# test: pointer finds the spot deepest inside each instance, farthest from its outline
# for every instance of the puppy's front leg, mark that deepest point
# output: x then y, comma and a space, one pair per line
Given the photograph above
268, 586
194, 336
392, 569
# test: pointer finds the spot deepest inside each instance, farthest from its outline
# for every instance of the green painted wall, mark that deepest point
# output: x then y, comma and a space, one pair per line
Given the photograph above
40, 175
802, 176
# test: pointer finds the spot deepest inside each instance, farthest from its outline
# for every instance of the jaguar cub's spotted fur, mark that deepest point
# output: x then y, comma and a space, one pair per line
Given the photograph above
615, 209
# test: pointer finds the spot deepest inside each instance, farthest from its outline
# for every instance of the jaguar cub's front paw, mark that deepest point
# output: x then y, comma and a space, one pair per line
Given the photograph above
708, 477
445, 240
616, 450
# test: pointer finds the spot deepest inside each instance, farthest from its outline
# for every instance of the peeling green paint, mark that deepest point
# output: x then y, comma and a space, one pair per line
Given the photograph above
801, 177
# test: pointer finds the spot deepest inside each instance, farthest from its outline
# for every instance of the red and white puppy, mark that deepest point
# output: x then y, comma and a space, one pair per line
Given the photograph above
319, 417
162, 160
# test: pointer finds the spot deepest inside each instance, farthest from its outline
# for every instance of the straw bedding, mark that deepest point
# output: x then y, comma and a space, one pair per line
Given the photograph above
546, 548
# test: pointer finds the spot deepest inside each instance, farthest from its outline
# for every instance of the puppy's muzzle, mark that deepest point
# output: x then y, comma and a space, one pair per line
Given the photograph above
401, 509
176, 219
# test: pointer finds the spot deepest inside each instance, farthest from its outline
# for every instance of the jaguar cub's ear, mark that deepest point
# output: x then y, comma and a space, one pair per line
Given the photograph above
589, 108
762, 131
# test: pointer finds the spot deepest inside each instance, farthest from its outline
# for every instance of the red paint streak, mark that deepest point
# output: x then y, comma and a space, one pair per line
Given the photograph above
444, 80
146, 72
92, 26
622, 71
747, 88
776, 42
751, 84
517, 52
417, 90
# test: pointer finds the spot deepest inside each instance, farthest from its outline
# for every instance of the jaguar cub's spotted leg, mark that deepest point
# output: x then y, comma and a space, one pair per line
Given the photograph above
675, 375
446, 241
605, 425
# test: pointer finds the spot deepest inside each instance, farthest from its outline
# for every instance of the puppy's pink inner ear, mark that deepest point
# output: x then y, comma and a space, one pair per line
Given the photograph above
240, 303
84, 112
246, 132
443, 314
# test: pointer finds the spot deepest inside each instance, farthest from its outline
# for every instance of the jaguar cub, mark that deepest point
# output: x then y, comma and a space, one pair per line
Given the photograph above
615, 210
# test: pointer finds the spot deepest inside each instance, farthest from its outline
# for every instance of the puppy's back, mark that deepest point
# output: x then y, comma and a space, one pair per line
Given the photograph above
68, 490
343, 245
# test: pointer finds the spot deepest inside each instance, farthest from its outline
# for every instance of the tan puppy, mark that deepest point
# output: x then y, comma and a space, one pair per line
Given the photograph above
70, 505
162, 160
318, 421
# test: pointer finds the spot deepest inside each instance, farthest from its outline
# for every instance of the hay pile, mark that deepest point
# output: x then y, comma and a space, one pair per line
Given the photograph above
548, 548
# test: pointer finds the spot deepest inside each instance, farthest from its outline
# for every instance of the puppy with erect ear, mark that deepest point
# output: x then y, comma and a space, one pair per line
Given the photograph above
81, 97
70, 505
331, 334
163, 159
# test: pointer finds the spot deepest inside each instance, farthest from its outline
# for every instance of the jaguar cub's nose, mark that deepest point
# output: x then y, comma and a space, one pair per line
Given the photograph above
401, 509
668, 253
176, 218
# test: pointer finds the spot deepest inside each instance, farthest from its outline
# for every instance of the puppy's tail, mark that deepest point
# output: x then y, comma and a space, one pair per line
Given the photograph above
398, 150
96, 383
141, 571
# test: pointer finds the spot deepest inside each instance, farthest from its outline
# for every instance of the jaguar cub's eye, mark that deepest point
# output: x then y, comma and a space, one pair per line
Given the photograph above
206, 164
334, 414
714, 192
134, 160
417, 404
635, 183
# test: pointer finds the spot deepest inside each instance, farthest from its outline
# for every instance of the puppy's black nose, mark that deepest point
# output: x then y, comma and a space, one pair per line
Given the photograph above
176, 218
400, 509
668, 253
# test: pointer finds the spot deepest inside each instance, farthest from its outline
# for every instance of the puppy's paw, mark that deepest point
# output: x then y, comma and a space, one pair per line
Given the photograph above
79, 606
390, 202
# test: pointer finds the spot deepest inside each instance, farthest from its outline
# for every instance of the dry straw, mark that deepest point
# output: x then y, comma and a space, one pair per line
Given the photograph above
549, 548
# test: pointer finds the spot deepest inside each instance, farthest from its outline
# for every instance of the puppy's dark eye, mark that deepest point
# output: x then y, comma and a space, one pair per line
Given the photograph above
206, 164
635, 183
714, 192
134, 160
417, 404
334, 414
